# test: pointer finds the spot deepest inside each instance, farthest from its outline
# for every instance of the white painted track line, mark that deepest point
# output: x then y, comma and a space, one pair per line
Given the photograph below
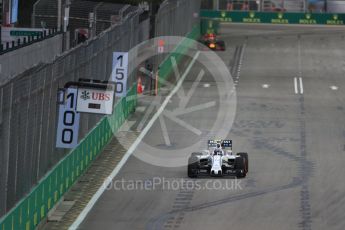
301, 85
129, 152
296, 86
333, 87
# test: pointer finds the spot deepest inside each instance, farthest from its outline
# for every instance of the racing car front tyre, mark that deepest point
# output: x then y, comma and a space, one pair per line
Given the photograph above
240, 167
196, 154
193, 167
245, 156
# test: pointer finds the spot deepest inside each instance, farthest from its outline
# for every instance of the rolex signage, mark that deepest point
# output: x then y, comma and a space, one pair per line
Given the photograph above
271, 18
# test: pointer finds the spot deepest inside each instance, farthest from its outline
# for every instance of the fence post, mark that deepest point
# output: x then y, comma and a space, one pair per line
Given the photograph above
8, 141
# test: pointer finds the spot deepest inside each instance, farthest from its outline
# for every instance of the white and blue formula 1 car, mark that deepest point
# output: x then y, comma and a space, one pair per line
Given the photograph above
218, 160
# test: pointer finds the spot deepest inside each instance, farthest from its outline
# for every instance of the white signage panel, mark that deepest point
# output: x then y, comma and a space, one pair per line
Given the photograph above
95, 101
120, 73
160, 49
68, 123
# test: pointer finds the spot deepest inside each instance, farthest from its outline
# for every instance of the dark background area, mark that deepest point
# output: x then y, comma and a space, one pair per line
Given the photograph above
24, 12
26, 6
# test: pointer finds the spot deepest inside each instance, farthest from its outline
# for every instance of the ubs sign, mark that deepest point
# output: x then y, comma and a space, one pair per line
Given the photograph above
95, 101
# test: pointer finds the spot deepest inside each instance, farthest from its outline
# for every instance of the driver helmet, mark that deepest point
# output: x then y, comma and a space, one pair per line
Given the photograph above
217, 152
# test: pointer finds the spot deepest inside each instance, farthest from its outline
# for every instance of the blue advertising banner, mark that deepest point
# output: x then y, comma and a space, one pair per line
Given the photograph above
14, 11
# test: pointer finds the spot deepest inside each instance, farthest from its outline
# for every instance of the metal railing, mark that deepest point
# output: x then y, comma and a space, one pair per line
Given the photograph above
92, 17
25, 41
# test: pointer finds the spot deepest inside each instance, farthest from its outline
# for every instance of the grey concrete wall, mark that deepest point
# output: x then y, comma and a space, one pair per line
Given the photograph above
17, 61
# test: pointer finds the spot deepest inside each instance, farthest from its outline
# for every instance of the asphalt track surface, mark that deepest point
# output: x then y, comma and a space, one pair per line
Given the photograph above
295, 141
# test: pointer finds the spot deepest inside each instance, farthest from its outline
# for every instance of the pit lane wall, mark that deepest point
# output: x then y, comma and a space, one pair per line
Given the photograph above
28, 213
166, 68
210, 19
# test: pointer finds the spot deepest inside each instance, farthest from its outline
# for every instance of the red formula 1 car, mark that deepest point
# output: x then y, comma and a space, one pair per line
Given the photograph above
212, 42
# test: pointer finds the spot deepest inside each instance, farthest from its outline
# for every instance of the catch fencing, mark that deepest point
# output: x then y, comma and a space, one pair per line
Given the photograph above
30, 165
88, 18
28, 117
175, 18
34, 208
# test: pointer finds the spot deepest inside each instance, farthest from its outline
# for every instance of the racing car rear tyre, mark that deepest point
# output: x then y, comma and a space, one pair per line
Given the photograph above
245, 156
240, 167
221, 45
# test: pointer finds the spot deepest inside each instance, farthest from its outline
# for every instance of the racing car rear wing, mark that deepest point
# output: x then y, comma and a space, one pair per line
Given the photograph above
223, 143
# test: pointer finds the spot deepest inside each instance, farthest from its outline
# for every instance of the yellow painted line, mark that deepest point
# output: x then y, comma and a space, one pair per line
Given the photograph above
28, 225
